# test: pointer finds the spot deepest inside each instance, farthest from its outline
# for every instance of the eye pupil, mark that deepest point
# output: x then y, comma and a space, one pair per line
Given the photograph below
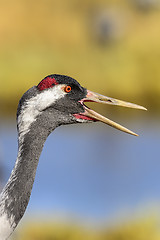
68, 89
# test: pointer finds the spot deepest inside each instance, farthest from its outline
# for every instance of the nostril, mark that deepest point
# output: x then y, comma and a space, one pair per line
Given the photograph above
105, 100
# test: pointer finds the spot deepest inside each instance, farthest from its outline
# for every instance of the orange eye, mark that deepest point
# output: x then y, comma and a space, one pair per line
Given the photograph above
67, 89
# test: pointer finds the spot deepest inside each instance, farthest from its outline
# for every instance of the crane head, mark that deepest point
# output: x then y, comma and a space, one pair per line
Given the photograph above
60, 99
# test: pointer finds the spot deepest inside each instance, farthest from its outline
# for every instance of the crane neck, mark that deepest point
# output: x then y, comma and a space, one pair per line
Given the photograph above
16, 194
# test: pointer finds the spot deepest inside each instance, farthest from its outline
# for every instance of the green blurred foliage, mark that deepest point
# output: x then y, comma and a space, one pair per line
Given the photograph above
38, 38
142, 229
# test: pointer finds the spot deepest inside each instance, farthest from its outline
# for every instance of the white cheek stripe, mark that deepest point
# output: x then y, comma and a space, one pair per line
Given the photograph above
34, 106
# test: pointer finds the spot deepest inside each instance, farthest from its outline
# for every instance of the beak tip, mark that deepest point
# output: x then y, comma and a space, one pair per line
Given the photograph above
133, 133
143, 108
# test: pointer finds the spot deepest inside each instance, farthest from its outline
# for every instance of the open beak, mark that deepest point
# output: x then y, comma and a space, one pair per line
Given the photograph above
95, 97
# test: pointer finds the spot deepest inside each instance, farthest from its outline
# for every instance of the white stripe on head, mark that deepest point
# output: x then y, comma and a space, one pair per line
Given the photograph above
34, 106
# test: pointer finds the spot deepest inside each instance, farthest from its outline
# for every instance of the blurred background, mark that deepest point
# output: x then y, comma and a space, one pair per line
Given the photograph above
109, 186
